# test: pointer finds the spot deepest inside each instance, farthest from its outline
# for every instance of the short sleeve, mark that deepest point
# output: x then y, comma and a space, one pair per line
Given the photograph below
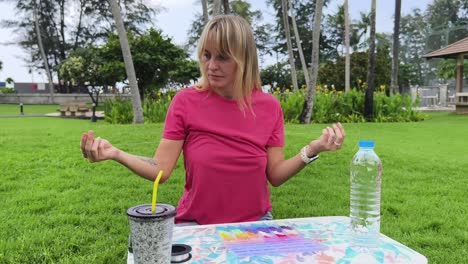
277, 135
175, 125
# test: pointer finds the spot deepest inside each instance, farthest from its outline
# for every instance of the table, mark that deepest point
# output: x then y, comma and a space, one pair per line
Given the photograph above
286, 241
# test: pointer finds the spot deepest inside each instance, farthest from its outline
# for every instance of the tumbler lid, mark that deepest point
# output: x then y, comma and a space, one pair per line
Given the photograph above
144, 211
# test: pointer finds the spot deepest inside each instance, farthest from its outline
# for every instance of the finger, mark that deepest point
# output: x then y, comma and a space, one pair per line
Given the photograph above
84, 136
324, 135
339, 136
340, 126
95, 149
89, 143
331, 134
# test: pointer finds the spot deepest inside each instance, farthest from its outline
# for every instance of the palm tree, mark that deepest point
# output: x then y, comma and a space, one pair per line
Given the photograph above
368, 101
299, 46
205, 11
43, 55
347, 59
289, 44
306, 114
127, 55
360, 29
226, 7
216, 7
396, 47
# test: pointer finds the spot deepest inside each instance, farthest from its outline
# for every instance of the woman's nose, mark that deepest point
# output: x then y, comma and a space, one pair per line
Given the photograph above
212, 65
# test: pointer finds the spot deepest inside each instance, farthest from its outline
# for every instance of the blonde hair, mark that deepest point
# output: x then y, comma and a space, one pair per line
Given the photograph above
233, 36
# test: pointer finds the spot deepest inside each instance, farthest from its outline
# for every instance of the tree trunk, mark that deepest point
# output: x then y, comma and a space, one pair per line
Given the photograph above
369, 99
127, 55
216, 7
226, 7
205, 11
306, 114
43, 55
299, 47
289, 44
396, 47
347, 58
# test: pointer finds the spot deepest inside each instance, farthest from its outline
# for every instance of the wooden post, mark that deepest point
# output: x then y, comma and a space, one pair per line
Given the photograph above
459, 74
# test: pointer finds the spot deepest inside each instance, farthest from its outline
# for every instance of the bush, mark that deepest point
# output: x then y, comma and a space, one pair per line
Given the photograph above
332, 106
7, 90
118, 111
155, 107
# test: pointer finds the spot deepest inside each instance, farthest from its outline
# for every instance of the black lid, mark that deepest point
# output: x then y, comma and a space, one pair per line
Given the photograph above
180, 253
144, 211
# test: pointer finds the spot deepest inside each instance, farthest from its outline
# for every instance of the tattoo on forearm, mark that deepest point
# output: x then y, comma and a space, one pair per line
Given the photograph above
147, 160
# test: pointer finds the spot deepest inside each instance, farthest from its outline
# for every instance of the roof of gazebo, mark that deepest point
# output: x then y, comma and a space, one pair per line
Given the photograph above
450, 51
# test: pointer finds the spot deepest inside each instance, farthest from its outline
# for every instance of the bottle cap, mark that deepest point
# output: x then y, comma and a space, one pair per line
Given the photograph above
366, 143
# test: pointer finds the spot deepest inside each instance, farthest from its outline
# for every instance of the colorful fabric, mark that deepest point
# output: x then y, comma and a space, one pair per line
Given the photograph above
325, 240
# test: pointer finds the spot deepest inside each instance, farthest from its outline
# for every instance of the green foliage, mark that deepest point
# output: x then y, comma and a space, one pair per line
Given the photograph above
447, 69
7, 90
156, 60
334, 72
331, 106
292, 104
118, 111
155, 107
69, 25
279, 75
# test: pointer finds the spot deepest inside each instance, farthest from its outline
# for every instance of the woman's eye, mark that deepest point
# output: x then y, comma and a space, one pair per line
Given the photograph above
206, 56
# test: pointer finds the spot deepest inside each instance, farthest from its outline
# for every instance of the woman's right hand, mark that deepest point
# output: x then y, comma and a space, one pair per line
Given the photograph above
97, 149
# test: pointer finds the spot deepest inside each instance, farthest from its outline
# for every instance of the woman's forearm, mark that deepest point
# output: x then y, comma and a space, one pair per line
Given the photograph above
143, 166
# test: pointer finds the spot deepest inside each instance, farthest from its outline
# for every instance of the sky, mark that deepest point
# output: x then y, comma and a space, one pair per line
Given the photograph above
175, 22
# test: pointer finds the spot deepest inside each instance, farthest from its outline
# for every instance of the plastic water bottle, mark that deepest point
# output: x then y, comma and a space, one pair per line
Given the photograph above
366, 179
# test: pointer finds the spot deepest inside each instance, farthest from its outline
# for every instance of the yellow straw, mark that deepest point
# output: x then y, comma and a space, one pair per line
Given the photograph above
155, 191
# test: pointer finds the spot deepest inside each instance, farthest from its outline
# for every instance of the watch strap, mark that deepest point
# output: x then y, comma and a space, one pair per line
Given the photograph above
306, 159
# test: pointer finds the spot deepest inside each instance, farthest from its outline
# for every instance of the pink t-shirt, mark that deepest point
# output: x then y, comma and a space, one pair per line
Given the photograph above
225, 154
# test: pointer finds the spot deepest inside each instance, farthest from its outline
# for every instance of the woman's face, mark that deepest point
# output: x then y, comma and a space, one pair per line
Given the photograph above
220, 70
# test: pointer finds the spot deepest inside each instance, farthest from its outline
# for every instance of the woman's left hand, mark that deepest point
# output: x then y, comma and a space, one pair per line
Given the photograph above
332, 139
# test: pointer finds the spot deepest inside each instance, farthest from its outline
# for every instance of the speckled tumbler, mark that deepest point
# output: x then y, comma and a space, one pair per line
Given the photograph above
151, 234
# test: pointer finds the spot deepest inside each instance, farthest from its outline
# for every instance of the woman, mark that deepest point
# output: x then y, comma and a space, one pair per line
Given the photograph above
231, 134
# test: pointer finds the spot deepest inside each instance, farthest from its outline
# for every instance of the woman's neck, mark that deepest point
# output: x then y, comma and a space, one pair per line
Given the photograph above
225, 94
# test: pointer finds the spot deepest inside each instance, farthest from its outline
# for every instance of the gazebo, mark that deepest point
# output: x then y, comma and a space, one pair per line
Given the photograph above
458, 51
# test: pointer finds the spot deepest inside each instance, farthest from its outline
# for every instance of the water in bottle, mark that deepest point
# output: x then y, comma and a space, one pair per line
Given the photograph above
366, 172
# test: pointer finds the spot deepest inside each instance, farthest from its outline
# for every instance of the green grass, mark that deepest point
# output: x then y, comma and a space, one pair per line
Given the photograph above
14, 109
58, 208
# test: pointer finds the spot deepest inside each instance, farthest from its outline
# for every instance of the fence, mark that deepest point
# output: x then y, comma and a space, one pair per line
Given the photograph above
434, 96
29, 98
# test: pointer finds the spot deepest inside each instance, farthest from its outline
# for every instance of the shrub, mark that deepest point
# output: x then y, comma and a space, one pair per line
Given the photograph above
7, 90
118, 111
332, 106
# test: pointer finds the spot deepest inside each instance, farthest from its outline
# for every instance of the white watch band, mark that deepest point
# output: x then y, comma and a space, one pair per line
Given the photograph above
304, 156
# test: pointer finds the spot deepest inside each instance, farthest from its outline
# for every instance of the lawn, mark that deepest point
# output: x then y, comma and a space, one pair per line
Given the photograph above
14, 109
58, 208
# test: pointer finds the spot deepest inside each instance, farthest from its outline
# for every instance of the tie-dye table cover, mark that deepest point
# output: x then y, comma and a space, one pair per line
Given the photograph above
302, 240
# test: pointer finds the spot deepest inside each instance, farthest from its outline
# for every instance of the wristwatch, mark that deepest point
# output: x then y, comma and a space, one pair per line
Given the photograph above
304, 156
